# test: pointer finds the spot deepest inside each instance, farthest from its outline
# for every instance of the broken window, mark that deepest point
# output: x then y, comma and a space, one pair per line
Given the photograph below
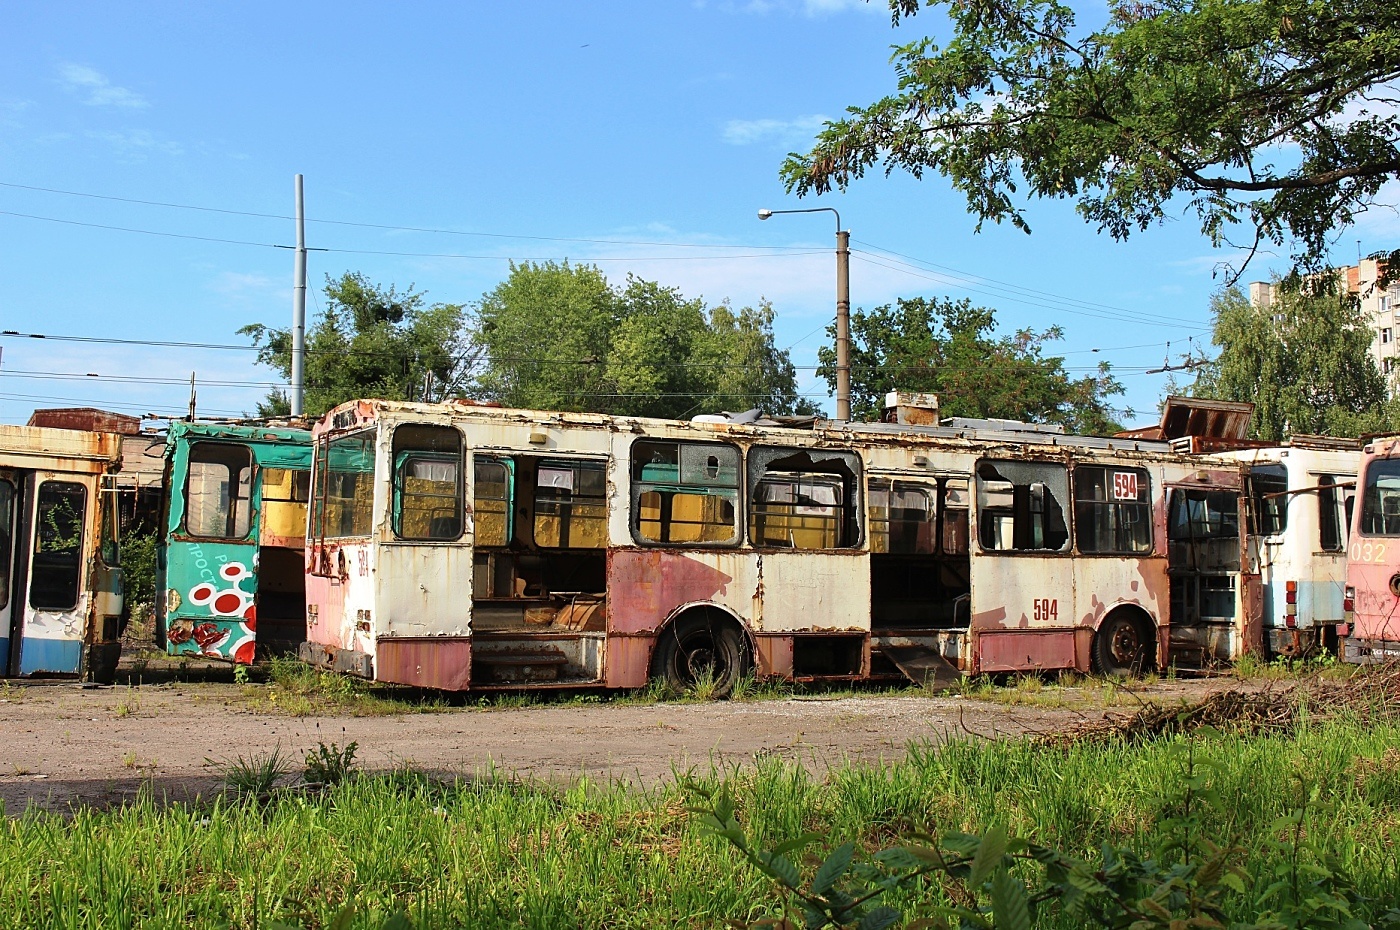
953, 516
685, 492
1021, 506
427, 482
803, 499
347, 500
1268, 510
58, 546
571, 505
285, 492
1380, 504
494, 479
1201, 515
217, 490
1112, 509
902, 518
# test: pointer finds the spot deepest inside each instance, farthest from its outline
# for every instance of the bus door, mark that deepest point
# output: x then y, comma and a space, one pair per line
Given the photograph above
211, 559
9, 580
44, 522
1023, 608
1266, 553
1216, 600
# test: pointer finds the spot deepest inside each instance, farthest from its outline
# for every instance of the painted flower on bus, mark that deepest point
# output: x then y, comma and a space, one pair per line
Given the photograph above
236, 640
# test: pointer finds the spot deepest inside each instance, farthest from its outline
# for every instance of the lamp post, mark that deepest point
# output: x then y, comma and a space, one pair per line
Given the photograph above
843, 308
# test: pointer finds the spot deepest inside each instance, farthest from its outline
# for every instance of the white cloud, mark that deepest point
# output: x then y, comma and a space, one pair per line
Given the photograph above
236, 284
773, 131
97, 90
136, 144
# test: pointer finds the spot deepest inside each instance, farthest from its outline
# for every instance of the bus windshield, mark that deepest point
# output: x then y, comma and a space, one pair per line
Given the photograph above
1380, 504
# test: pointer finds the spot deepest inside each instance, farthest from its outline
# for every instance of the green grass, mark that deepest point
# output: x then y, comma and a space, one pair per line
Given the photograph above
500, 852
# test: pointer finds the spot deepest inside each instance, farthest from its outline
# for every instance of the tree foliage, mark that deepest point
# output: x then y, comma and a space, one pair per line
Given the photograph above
1276, 114
947, 347
1304, 362
560, 337
371, 341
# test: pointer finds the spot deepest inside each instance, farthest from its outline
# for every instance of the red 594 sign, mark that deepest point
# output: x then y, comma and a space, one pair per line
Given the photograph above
1125, 486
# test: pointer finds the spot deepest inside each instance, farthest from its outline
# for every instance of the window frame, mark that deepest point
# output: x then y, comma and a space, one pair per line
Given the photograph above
574, 462
231, 510
764, 461
1144, 477
321, 481
640, 486
932, 491
402, 458
1334, 512
1364, 494
507, 464
1066, 507
34, 550
8, 522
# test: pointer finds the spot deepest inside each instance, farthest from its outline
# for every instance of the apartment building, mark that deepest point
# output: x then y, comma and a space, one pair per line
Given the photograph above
1378, 305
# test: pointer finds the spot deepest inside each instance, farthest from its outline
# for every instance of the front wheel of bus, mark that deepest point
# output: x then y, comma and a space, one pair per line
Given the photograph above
703, 652
1122, 645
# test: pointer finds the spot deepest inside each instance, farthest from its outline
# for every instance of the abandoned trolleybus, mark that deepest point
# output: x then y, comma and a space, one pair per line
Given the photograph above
229, 559
60, 585
461, 546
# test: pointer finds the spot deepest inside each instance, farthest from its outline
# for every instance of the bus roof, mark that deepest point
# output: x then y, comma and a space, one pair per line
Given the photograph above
59, 449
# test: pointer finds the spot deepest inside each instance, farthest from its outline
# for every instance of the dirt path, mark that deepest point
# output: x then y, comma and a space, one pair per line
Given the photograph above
62, 744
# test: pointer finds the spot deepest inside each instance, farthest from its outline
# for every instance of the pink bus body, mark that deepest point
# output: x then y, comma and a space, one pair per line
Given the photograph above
1373, 558
458, 546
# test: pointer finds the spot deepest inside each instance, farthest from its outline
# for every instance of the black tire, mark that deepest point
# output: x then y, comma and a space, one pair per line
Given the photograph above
1123, 645
699, 642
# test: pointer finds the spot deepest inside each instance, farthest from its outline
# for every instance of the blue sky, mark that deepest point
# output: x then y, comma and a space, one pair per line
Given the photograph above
648, 133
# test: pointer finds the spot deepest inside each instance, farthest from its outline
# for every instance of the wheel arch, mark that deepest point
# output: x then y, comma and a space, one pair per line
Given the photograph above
1146, 623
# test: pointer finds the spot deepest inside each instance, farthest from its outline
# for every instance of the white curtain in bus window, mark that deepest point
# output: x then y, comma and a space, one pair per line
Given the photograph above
571, 505
349, 494
217, 490
58, 546
795, 510
685, 493
7, 535
902, 518
427, 492
1112, 510
1268, 500
491, 502
1021, 506
1380, 502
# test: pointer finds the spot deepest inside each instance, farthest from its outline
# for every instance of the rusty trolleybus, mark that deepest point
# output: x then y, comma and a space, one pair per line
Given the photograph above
60, 587
459, 546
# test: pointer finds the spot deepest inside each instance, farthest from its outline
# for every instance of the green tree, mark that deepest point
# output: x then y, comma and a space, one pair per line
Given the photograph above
1304, 362
947, 347
1275, 114
560, 337
371, 341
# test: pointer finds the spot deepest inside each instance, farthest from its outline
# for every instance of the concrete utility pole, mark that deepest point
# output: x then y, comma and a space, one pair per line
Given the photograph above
843, 308
299, 308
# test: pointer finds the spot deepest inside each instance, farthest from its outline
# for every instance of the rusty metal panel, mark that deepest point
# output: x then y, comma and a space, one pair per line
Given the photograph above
628, 660
438, 662
774, 656
421, 590
89, 419
810, 591
62, 450
647, 586
1025, 650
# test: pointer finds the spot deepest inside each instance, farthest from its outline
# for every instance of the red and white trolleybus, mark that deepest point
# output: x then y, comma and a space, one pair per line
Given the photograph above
460, 546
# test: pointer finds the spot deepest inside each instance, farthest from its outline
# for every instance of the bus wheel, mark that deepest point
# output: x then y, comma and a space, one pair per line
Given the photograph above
704, 651
1122, 645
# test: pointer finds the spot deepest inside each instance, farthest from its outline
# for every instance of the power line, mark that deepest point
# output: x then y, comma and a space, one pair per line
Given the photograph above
392, 228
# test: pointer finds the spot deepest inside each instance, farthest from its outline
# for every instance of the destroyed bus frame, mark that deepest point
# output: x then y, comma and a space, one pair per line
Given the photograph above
458, 547
229, 563
60, 581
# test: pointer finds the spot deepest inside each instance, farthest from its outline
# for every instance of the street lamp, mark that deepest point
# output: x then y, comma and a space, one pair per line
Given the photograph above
843, 308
